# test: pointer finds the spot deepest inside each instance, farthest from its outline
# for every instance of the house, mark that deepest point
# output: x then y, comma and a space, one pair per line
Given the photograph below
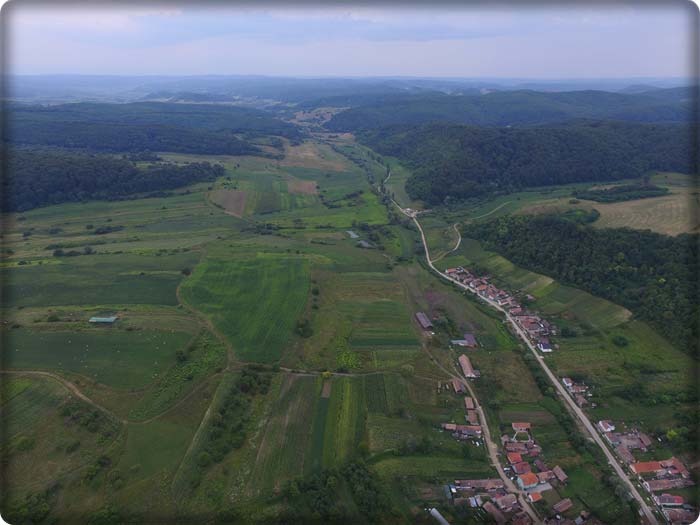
681, 516
522, 468
467, 368
580, 400
521, 427
506, 503
496, 514
527, 481
103, 320
545, 476
534, 496
449, 426
563, 505
606, 425
457, 385
470, 340
544, 345
560, 474
541, 466
645, 467
675, 467
669, 500
423, 321
472, 417
469, 403
514, 457
568, 382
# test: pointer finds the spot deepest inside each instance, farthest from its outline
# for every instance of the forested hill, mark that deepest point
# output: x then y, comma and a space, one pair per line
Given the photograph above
653, 275
41, 177
189, 128
515, 108
460, 162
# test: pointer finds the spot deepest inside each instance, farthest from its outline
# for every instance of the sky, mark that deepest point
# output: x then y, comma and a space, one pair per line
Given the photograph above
540, 41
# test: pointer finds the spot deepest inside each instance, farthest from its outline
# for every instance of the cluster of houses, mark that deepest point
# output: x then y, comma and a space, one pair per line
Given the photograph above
472, 431
491, 496
579, 391
655, 476
536, 477
537, 329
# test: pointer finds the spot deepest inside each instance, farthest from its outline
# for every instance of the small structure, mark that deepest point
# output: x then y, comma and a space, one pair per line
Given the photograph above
436, 514
470, 340
364, 244
563, 505
103, 320
506, 503
457, 385
472, 417
606, 425
424, 321
521, 427
534, 496
522, 468
544, 345
352, 234
560, 474
469, 403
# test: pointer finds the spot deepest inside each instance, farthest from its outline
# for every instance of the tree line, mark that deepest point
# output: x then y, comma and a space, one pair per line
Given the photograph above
43, 177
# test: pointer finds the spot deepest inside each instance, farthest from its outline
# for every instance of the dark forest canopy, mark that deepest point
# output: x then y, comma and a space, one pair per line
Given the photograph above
460, 162
43, 177
653, 275
515, 108
624, 192
188, 128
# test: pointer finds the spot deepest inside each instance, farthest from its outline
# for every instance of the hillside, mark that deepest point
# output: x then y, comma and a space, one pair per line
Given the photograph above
192, 128
514, 108
464, 161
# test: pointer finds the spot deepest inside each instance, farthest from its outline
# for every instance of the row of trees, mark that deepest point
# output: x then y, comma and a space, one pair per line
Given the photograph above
653, 275
41, 177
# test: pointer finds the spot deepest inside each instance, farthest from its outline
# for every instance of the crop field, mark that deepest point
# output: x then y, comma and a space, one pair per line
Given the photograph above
116, 358
254, 302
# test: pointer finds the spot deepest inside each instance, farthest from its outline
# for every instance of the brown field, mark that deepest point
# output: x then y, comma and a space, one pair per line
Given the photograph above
232, 201
306, 187
672, 214
312, 155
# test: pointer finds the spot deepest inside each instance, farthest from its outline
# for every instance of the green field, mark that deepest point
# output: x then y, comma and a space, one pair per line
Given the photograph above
255, 303
117, 358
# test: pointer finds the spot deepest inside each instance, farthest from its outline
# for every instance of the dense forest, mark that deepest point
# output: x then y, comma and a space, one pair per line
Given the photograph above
41, 177
653, 275
187, 128
514, 108
624, 192
460, 162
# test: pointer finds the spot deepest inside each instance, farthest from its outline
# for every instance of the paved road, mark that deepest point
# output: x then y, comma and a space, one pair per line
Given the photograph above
573, 407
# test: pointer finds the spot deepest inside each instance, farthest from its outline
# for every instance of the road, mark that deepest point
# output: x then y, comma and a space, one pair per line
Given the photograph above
571, 405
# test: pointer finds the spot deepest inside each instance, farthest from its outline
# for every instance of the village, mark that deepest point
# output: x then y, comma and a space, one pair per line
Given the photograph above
524, 465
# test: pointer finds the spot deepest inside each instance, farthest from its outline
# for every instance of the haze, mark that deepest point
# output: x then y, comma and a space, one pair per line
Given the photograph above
595, 42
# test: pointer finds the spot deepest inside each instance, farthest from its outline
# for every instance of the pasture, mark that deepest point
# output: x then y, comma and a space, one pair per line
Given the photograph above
254, 302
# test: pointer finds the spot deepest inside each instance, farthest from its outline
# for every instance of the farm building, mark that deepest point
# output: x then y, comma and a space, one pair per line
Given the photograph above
467, 368
457, 385
470, 340
521, 427
424, 321
563, 505
103, 320
560, 474
469, 403
472, 417
646, 467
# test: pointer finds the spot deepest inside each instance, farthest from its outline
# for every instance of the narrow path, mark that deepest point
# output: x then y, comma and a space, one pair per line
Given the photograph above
569, 402
72, 387
492, 211
459, 242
